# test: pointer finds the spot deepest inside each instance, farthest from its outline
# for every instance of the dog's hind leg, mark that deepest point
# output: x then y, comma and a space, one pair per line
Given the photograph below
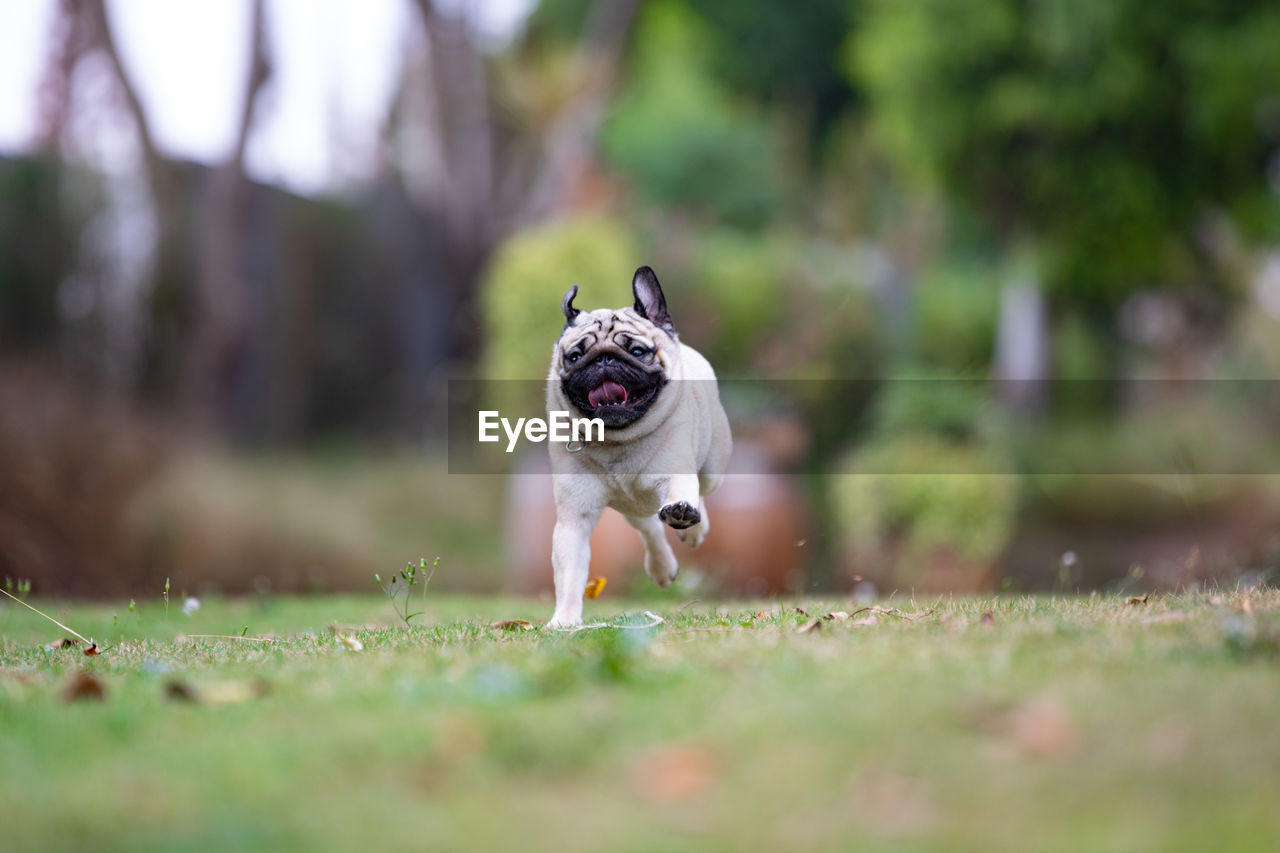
693, 536
659, 560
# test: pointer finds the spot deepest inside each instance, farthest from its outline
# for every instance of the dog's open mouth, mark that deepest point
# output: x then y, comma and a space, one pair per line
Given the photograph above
607, 393
619, 399
612, 396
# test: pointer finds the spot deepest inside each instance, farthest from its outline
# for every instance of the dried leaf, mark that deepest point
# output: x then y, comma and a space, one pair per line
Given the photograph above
1247, 605
801, 612
511, 625
350, 641
84, 685
811, 625
65, 642
988, 618
1135, 600
836, 616
92, 650
595, 586
762, 615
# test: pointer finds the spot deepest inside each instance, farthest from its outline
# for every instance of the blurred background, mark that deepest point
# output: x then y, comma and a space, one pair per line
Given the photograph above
1011, 270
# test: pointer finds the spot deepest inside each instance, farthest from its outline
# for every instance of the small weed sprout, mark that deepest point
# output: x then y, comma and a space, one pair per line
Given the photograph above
401, 596
166, 598
21, 589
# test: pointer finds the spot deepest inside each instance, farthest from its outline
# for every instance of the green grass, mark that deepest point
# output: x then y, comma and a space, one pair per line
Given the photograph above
1059, 724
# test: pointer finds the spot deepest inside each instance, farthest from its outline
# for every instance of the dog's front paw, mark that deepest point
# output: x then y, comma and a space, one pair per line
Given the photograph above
679, 515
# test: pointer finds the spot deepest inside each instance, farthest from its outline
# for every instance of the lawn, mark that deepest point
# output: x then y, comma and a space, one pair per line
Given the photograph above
1006, 723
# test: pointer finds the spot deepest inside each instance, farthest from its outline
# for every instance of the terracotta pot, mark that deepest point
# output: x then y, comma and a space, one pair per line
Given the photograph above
755, 546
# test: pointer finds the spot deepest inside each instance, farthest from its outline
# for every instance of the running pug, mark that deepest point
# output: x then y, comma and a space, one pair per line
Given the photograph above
666, 436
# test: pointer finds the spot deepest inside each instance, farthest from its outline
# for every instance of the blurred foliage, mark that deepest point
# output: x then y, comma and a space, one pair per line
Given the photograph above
1192, 449
954, 313
42, 222
953, 409
911, 504
528, 278
560, 21
678, 132
1100, 130
777, 304
786, 53
72, 462
741, 294
311, 522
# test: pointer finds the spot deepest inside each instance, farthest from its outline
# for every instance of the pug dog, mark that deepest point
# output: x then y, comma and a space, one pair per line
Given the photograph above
666, 439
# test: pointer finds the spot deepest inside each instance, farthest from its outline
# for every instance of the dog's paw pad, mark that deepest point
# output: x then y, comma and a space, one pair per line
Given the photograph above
679, 515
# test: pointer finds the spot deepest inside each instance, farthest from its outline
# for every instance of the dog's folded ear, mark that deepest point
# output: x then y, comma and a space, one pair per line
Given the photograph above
566, 305
650, 303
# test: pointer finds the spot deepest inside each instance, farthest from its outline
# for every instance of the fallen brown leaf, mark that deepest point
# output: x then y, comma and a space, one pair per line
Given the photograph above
84, 685
350, 641
762, 615
65, 642
595, 586
92, 650
511, 625
836, 616
801, 612
1135, 600
811, 625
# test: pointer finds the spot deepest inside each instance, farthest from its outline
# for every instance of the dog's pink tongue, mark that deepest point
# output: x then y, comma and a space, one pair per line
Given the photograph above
607, 393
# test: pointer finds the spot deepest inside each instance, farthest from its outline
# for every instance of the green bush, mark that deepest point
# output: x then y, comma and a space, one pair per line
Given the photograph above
903, 503
529, 276
954, 319
956, 409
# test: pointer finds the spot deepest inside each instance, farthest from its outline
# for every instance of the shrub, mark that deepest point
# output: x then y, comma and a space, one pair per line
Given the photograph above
907, 506
529, 276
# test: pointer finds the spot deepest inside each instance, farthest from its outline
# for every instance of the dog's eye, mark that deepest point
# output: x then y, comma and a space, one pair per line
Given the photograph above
639, 352
573, 357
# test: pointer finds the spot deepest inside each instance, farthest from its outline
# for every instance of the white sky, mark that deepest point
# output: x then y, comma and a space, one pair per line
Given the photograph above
335, 63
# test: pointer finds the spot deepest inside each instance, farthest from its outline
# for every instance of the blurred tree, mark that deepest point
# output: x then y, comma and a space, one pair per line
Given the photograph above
169, 296
783, 53
681, 135
1100, 131
222, 320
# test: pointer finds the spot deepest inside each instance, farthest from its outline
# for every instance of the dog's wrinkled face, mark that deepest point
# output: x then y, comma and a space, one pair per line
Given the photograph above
614, 364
